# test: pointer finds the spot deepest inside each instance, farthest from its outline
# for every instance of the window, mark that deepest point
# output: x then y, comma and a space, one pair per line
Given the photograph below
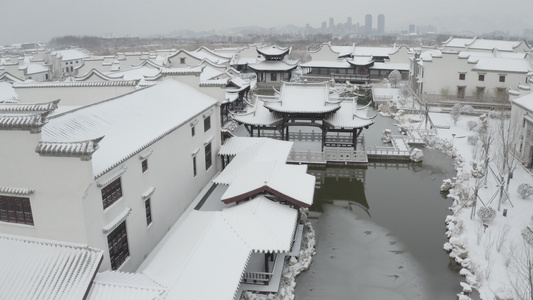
502, 78
182, 60
273, 76
207, 123
208, 156
148, 211
481, 77
460, 92
194, 166
192, 131
479, 92
111, 193
462, 76
117, 242
15, 210
144, 165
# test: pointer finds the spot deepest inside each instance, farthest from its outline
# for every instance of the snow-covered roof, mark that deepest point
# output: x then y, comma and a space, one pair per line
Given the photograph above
503, 65
372, 51
274, 50
235, 145
137, 73
272, 65
257, 115
302, 98
361, 61
501, 45
128, 123
6, 76
113, 285
265, 151
326, 64
43, 269
457, 42
349, 116
264, 224
429, 54
289, 182
342, 50
390, 66
34, 69
525, 102
183, 71
71, 54
205, 53
202, 250
27, 107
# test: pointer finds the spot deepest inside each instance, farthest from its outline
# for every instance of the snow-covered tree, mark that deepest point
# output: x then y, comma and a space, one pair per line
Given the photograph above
467, 109
525, 190
486, 214
395, 77
455, 113
471, 125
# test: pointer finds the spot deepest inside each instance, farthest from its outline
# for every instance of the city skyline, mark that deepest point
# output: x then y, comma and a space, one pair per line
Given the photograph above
45, 20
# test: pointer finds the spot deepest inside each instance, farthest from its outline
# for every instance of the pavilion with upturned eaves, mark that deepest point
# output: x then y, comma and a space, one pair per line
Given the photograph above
340, 120
275, 67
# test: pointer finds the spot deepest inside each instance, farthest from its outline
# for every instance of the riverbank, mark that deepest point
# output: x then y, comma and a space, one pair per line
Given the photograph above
495, 259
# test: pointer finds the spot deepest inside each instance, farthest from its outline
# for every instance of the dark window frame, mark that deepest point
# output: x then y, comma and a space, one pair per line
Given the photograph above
111, 192
144, 165
462, 76
193, 131
207, 123
481, 77
182, 60
194, 167
16, 210
117, 241
208, 156
148, 211
502, 78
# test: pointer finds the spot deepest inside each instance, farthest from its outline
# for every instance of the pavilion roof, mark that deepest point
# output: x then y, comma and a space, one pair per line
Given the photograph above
257, 115
349, 116
302, 98
273, 65
274, 50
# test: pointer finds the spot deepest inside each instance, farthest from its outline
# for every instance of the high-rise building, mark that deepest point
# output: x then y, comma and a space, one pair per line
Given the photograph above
368, 24
381, 24
349, 24
411, 28
331, 23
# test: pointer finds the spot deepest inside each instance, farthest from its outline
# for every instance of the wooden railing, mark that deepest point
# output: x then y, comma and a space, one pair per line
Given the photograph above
256, 277
390, 151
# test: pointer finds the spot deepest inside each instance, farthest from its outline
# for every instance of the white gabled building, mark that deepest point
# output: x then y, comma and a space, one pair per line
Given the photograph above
522, 126
471, 70
115, 175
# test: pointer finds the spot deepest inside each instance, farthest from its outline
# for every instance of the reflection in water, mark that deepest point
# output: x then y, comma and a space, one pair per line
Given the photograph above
401, 204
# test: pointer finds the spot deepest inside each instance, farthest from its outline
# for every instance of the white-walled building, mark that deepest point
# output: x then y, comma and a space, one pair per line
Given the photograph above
522, 126
115, 175
471, 70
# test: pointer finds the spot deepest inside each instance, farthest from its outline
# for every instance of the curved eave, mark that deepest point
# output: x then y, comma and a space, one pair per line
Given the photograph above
262, 189
302, 111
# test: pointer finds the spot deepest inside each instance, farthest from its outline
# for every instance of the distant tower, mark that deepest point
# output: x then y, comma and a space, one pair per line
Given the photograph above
411, 28
368, 24
349, 24
381, 24
331, 23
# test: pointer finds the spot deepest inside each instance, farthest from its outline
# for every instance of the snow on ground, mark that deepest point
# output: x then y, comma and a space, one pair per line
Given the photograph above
387, 272
493, 257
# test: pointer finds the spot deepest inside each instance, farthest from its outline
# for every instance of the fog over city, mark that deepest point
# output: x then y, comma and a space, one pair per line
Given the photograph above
38, 21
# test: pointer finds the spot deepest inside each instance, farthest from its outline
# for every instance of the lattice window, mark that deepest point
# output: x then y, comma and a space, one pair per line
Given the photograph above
111, 193
15, 210
117, 242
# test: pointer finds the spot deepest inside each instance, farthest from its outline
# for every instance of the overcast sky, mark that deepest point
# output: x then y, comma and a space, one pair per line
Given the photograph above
39, 20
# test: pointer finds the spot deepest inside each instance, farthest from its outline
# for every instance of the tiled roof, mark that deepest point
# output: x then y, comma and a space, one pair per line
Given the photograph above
272, 65
37, 107
303, 98
130, 123
257, 115
82, 149
75, 84
114, 285
42, 269
15, 191
235, 145
32, 122
349, 116
289, 182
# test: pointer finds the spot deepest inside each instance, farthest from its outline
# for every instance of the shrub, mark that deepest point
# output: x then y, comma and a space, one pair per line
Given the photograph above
525, 190
471, 125
486, 214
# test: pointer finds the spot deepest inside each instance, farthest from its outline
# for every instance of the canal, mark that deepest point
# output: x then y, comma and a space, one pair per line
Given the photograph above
380, 231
